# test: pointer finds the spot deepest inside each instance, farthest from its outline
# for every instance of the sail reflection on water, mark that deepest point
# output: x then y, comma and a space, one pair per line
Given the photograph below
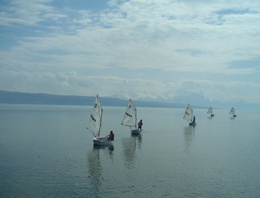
189, 133
129, 149
94, 164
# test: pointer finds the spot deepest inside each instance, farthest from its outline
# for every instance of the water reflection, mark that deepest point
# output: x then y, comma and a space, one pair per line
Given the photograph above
138, 138
94, 164
189, 133
108, 150
129, 149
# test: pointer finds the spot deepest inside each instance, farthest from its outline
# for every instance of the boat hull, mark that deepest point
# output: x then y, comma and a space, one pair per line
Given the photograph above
192, 124
136, 131
102, 141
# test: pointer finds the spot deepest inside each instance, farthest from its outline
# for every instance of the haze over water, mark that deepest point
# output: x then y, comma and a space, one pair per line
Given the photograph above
46, 151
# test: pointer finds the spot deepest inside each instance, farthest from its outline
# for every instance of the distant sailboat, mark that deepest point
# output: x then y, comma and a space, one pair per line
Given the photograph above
130, 118
233, 112
210, 111
188, 115
94, 125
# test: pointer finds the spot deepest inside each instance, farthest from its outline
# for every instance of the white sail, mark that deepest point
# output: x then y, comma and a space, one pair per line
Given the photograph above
129, 118
210, 111
232, 111
188, 113
94, 125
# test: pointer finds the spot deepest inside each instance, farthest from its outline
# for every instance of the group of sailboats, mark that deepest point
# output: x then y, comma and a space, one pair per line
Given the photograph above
188, 115
130, 119
232, 112
95, 122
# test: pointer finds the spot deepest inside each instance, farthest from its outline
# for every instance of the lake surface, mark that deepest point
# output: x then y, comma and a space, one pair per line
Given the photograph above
46, 151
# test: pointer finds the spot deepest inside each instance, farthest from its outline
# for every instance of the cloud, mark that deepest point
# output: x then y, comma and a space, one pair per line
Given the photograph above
72, 83
66, 82
222, 90
183, 38
139, 34
28, 13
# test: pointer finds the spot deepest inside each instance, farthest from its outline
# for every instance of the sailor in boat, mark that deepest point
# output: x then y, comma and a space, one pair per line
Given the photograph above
194, 118
111, 136
140, 124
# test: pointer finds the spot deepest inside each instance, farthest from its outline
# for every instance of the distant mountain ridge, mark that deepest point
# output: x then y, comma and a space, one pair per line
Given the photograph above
195, 99
52, 99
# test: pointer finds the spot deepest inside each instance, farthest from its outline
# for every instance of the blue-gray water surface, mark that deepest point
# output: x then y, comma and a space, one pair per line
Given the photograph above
46, 151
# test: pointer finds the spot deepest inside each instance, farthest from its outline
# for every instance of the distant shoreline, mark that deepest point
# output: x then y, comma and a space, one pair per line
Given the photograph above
7, 97
12, 97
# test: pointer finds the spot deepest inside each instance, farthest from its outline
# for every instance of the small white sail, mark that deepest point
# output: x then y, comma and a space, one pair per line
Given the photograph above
232, 111
210, 111
129, 118
188, 113
94, 125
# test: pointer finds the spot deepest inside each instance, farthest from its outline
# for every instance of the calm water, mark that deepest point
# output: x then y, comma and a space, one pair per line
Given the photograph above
46, 151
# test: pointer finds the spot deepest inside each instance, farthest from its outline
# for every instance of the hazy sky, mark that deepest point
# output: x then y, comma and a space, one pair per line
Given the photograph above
145, 48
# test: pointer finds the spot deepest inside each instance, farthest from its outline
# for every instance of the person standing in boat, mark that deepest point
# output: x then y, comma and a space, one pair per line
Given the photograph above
140, 124
111, 136
194, 118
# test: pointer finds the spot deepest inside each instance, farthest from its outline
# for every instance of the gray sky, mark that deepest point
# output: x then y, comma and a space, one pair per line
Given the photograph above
132, 48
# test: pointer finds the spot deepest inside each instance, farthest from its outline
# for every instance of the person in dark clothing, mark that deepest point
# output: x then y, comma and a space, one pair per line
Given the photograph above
194, 118
111, 136
140, 124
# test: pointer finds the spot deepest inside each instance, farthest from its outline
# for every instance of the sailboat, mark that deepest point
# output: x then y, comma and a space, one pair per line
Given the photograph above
130, 118
188, 115
94, 125
210, 111
233, 112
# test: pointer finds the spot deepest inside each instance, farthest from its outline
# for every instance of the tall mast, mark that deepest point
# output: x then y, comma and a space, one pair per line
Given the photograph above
100, 122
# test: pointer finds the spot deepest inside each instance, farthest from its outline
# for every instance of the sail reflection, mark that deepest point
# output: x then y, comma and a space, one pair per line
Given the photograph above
94, 164
129, 149
106, 149
189, 133
138, 138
